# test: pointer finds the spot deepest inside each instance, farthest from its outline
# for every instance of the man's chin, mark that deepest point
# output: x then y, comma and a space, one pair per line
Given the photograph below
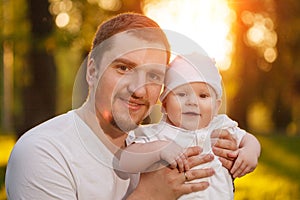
127, 120
124, 126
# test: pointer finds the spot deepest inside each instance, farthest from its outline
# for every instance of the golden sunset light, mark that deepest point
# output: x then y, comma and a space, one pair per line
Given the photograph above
208, 23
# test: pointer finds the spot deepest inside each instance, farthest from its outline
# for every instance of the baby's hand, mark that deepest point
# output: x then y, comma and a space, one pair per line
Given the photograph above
245, 163
174, 155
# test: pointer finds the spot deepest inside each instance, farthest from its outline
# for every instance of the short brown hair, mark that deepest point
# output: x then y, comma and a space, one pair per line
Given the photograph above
134, 23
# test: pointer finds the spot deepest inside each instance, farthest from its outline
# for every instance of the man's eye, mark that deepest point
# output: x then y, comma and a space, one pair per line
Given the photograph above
181, 94
123, 68
155, 77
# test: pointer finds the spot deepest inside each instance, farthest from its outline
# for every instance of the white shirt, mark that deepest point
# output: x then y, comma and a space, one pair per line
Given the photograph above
63, 159
221, 186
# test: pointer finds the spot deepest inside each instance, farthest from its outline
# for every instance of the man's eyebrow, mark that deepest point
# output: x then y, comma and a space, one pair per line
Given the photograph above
124, 61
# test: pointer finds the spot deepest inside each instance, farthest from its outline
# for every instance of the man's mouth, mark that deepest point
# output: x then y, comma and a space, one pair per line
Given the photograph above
134, 104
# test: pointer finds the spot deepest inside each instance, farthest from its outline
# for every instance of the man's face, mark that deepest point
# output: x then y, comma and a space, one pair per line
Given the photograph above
131, 83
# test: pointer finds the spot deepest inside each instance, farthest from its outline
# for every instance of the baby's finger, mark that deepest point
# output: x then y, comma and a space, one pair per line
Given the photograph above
185, 162
246, 171
240, 170
180, 164
173, 164
186, 165
236, 165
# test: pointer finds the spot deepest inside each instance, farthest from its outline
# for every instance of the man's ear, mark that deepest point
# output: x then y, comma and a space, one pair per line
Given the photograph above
91, 72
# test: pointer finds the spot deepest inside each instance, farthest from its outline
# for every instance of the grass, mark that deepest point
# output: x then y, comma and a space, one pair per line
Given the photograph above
277, 177
6, 144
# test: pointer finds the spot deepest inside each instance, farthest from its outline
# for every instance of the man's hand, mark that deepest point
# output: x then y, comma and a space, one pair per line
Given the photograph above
224, 146
168, 183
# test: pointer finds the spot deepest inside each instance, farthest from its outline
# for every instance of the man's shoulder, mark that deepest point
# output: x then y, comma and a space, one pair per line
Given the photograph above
47, 133
54, 125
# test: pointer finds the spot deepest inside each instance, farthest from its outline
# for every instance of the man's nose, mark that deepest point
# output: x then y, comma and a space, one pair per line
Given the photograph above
137, 85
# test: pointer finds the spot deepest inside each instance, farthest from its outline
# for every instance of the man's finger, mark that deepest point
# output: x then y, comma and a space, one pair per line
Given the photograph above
198, 160
188, 188
192, 151
226, 163
223, 139
226, 144
233, 154
223, 153
199, 173
222, 134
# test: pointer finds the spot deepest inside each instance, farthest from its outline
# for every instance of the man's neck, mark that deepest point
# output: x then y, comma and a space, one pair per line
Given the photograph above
110, 136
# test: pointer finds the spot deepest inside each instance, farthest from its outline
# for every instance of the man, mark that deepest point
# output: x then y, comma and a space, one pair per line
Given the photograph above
71, 156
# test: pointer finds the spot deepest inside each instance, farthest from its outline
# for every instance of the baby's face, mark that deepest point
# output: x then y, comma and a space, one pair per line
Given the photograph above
191, 106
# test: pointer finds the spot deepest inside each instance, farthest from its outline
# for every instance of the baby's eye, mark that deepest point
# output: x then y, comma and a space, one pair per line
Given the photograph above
203, 96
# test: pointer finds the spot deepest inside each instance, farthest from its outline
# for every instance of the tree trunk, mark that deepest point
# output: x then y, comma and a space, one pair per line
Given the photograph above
39, 94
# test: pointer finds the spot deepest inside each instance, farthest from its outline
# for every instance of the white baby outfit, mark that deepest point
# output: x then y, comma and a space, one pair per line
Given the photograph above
221, 185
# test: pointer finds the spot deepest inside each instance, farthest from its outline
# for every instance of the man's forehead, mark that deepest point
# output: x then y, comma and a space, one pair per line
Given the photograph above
126, 46
125, 43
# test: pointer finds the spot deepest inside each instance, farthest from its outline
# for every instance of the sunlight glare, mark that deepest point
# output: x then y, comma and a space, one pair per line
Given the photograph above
208, 23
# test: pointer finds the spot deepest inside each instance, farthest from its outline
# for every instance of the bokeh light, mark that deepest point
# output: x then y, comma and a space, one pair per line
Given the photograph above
62, 19
111, 5
261, 35
67, 15
270, 54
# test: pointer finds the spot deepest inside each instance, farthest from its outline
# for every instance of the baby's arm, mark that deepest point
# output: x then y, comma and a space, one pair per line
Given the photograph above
138, 157
247, 156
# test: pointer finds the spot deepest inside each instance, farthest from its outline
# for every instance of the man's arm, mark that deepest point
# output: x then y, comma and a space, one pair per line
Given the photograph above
167, 183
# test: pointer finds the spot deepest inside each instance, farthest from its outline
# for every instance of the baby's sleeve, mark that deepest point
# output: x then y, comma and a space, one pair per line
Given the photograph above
237, 133
138, 135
